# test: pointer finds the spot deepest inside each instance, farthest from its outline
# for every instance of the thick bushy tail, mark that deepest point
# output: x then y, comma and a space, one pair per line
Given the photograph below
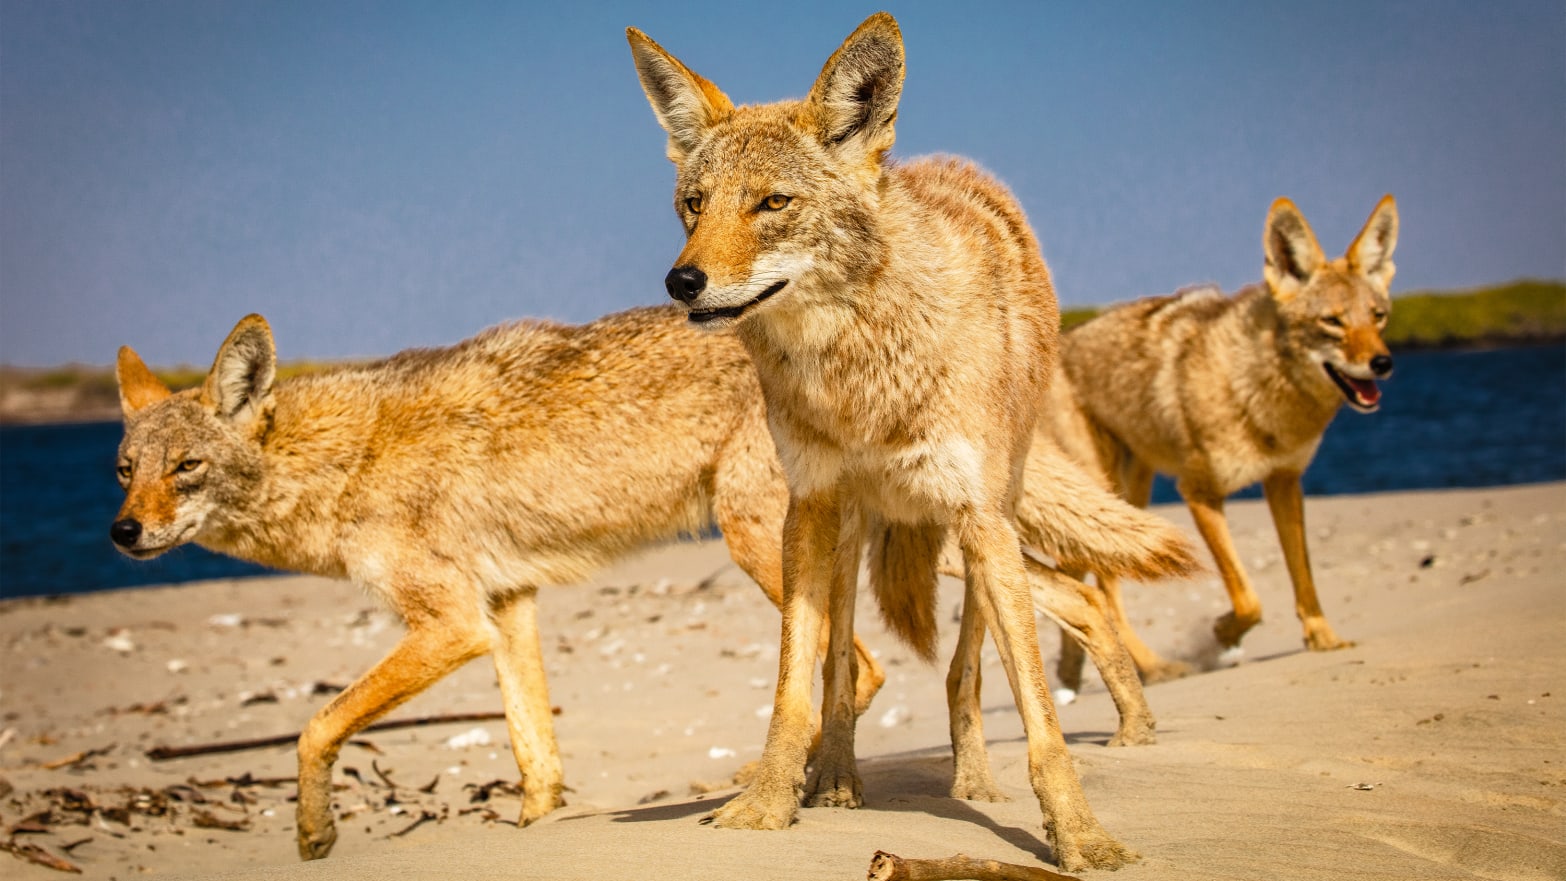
1064, 513
903, 575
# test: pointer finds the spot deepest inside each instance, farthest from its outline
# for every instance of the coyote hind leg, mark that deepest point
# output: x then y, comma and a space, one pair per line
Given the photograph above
992, 557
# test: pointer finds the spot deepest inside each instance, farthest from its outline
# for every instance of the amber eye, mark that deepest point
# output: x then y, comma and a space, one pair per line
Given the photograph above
188, 466
1379, 314
1332, 321
693, 204
776, 202
124, 471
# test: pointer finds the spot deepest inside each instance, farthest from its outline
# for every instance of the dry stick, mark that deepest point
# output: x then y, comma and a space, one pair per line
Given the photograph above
424, 817
77, 758
374, 766
32, 853
891, 867
162, 753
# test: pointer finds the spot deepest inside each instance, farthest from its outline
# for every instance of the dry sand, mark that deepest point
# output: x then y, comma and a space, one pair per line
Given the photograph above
1436, 749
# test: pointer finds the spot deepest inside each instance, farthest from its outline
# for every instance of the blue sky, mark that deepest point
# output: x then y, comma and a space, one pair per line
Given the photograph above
373, 176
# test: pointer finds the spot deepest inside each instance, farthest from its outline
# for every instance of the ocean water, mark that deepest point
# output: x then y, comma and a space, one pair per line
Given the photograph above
1448, 419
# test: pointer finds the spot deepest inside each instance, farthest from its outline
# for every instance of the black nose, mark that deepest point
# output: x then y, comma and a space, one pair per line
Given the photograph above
1381, 365
685, 283
125, 532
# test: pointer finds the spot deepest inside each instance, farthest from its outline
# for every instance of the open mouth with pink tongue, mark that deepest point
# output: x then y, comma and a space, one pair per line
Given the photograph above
1362, 394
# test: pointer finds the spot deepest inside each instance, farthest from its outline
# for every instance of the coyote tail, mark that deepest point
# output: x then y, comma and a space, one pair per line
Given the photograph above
1065, 514
903, 562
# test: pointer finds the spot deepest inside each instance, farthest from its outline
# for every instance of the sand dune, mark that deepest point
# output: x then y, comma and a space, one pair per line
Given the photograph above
1435, 749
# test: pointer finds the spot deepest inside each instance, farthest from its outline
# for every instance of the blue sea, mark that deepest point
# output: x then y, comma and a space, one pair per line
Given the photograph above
1448, 419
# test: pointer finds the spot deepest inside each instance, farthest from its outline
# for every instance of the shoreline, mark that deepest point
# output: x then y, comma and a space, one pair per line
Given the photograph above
1451, 713
21, 405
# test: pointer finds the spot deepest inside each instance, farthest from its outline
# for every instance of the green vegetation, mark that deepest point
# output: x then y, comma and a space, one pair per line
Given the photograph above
1524, 311
1074, 315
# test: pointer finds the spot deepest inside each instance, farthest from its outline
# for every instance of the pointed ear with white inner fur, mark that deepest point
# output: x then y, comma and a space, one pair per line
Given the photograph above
1292, 253
856, 94
240, 385
138, 387
686, 104
1370, 254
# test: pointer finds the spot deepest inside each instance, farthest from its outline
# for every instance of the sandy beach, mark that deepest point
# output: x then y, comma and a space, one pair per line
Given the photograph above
1434, 749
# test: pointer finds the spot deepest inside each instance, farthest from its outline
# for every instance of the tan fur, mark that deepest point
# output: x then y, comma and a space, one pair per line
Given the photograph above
903, 328
454, 482
1222, 392
903, 573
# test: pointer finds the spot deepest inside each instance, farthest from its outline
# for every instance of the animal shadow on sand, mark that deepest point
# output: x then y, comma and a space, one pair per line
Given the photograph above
912, 781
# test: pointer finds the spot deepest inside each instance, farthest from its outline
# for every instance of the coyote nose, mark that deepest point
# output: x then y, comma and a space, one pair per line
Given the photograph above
125, 532
1381, 365
685, 283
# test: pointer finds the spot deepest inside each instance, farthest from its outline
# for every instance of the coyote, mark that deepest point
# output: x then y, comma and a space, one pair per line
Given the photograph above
1222, 392
454, 482
903, 327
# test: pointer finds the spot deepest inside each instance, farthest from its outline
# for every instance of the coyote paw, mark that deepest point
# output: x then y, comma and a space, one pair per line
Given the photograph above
1229, 628
1064, 696
759, 807
835, 788
1091, 848
316, 842
1320, 638
1135, 733
977, 787
1165, 671
534, 809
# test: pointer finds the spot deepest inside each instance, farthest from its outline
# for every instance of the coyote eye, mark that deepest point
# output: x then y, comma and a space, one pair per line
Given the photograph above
1379, 315
776, 202
188, 466
1331, 321
693, 204
124, 471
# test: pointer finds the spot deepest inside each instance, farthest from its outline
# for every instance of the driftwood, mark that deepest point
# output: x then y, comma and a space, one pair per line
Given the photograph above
891, 867
164, 753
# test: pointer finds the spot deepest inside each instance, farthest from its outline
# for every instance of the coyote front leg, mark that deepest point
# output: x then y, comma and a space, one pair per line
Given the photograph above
810, 538
427, 652
834, 781
1287, 502
519, 665
997, 582
1207, 511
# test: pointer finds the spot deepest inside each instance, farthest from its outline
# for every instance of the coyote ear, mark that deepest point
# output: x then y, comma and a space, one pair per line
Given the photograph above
138, 387
855, 97
1370, 254
686, 104
1291, 250
241, 378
